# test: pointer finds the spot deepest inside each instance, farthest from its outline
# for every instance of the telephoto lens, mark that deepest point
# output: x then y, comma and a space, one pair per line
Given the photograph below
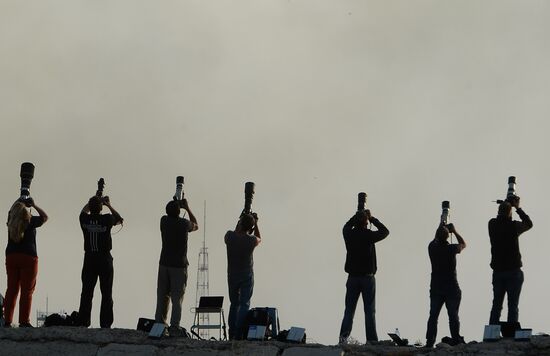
179, 188
511, 192
361, 201
445, 207
100, 187
26, 174
248, 196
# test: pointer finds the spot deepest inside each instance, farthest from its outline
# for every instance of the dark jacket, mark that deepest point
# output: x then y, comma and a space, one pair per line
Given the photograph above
361, 254
504, 233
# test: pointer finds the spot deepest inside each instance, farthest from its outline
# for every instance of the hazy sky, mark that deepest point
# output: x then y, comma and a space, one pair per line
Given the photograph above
413, 102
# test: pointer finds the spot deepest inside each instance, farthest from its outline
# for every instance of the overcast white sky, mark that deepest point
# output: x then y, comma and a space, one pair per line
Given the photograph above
413, 102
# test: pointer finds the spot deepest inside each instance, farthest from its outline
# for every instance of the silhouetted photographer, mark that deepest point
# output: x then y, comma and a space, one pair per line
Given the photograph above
21, 251
240, 245
98, 262
444, 288
361, 267
172, 273
506, 258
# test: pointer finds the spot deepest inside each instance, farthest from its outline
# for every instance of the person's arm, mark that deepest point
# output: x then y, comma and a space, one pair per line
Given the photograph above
461, 242
257, 233
192, 218
85, 209
525, 223
348, 226
40, 212
382, 231
118, 219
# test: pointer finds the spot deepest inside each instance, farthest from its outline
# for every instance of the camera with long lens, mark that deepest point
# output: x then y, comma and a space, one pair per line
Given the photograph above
445, 212
361, 201
100, 187
178, 196
26, 174
511, 192
248, 196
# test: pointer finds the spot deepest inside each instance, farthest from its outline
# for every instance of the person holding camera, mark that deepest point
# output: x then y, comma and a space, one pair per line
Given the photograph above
240, 245
361, 267
444, 288
172, 273
506, 258
98, 262
21, 259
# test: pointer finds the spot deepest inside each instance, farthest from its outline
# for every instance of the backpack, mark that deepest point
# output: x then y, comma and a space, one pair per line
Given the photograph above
62, 319
259, 317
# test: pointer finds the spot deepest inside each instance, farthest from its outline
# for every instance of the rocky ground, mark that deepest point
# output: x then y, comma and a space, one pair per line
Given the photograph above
81, 341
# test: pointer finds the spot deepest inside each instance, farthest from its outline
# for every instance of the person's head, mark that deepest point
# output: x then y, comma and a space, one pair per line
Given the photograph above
442, 233
18, 220
95, 204
505, 209
173, 209
362, 218
247, 223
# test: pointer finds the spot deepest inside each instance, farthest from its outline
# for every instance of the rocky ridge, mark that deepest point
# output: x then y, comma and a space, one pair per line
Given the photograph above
104, 342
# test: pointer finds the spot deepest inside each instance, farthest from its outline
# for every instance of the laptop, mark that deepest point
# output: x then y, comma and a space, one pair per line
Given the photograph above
215, 302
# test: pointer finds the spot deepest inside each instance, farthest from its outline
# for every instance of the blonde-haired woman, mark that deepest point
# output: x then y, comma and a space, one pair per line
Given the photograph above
21, 260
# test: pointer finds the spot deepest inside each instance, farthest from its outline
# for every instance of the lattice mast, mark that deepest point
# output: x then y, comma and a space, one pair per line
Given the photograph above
202, 279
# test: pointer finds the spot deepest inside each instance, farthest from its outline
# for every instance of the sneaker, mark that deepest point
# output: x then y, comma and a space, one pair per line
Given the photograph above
7, 325
26, 325
342, 340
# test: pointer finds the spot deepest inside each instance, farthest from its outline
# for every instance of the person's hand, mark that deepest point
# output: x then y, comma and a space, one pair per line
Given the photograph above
451, 228
29, 202
369, 215
255, 216
106, 201
515, 201
184, 204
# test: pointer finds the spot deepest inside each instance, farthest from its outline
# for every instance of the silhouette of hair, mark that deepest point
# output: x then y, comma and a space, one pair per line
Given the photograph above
505, 209
247, 222
18, 221
173, 209
442, 233
95, 204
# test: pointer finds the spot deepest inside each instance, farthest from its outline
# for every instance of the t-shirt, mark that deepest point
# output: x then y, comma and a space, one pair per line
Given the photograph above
97, 231
504, 233
28, 244
174, 233
239, 251
360, 250
443, 259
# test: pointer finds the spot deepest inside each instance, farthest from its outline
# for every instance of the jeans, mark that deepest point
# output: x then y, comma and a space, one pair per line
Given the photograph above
241, 285
366, 286
451, 297
22, 270
510, 283
171, 284
97, 264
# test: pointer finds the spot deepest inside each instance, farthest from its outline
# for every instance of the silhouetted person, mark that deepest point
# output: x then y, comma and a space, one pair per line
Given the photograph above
444, 287
172, 274
21, 260
506, 258
240, 274
98, 262
361, 267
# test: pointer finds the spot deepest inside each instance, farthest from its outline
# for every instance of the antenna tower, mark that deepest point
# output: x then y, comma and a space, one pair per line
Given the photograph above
202, 279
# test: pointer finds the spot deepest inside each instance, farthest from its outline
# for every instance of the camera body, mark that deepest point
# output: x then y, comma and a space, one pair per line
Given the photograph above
26, 174
248, 196
179, 195
99, 191
361, 201
510, 192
